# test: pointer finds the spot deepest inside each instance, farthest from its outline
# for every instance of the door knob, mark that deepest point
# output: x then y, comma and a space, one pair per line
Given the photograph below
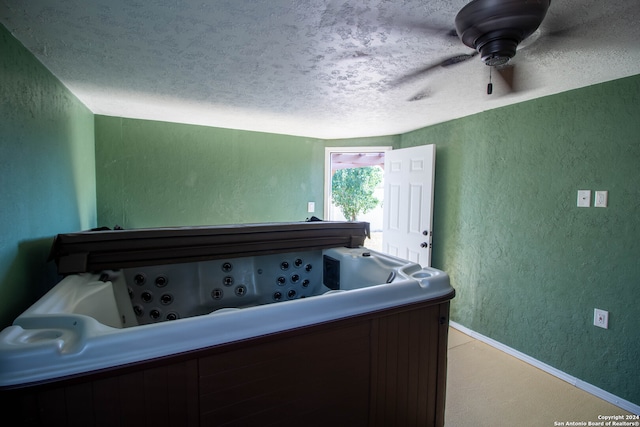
424, 245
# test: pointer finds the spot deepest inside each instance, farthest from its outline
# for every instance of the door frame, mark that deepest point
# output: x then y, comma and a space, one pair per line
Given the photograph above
327, 167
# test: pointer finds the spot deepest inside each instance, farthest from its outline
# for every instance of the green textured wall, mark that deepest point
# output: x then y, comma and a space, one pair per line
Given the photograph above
156, 174
47, 174
528, 265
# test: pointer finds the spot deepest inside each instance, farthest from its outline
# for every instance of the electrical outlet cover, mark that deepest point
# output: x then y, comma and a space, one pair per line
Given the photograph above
600, 200
601, 318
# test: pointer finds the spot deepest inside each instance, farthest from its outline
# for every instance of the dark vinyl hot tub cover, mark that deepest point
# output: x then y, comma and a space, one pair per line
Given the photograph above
104, 249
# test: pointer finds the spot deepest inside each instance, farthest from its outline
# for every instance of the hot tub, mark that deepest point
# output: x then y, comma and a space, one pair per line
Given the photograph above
322, 334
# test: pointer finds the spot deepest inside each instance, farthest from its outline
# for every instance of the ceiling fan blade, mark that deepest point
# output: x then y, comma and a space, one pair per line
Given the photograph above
457, 59
558, 27
420, 95
428, 29
414, 75
511, 76
424, 70
508, 74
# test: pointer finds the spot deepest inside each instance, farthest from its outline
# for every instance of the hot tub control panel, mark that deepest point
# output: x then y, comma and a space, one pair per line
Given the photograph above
173, 291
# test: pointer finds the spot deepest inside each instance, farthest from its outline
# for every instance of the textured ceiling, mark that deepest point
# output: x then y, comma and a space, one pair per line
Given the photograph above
317, 68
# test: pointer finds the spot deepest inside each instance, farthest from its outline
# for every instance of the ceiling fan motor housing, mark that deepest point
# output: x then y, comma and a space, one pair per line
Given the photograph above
495, 28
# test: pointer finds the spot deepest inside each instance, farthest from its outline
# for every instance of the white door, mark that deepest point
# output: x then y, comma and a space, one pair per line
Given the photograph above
408, 203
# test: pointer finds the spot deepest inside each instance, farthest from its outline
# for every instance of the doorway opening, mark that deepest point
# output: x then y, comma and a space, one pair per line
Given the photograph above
337, 158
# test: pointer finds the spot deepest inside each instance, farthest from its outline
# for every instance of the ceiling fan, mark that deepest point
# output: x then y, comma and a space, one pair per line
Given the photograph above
494, 29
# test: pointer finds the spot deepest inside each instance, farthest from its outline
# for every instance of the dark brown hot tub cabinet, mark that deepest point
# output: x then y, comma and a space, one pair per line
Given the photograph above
379, 369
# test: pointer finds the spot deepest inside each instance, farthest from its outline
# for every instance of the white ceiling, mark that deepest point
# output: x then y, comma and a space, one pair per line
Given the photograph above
316, 68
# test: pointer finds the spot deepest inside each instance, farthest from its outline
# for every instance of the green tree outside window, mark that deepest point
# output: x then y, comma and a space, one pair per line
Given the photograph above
352, 190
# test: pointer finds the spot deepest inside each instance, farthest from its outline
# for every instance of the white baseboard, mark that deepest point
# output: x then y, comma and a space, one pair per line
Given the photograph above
589, 388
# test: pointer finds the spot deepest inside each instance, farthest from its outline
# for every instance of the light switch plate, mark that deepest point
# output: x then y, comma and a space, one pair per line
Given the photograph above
311, 207
584, 198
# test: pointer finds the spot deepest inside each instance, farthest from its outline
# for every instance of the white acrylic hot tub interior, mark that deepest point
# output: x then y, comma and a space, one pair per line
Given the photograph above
170, 292
94, 321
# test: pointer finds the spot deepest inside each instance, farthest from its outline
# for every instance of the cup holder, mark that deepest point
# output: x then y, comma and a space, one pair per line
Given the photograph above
421, 275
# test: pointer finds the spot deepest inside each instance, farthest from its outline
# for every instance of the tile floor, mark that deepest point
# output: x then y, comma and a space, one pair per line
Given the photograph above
487, 387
